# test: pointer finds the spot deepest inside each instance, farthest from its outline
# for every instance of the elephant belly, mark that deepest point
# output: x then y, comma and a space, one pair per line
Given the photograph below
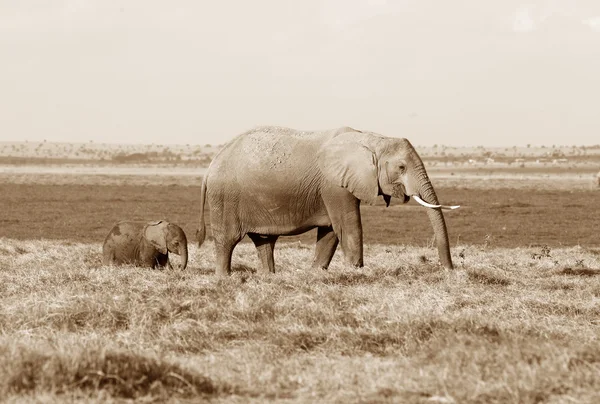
282, 222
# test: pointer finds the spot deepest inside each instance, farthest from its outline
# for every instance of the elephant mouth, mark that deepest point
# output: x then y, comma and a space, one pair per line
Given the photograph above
400, 192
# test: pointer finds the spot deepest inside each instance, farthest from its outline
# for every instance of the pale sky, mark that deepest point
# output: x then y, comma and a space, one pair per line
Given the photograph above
470, 72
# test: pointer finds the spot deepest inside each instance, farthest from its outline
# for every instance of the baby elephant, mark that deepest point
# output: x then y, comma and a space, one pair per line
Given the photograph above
144, 244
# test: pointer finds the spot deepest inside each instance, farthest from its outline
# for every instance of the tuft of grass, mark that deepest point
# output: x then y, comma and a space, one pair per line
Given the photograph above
544, 252
120, 374
580, 271
488, 277
350, 278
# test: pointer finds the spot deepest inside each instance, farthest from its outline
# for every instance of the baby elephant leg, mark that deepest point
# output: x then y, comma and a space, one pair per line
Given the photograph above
162, 261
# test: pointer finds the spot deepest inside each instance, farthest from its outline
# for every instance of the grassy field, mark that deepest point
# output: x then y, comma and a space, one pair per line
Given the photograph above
516, 321
508, 325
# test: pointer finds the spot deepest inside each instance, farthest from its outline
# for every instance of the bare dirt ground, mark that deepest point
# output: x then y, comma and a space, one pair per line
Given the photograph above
503, 217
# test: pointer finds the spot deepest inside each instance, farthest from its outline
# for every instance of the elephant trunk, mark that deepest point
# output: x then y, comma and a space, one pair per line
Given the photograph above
178, 244
183, 252
436, 217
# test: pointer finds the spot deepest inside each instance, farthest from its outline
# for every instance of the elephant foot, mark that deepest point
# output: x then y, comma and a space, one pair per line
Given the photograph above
317, 266
356, 263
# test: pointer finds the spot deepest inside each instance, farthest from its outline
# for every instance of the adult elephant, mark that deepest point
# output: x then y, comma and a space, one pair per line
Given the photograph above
273, 181
145, 244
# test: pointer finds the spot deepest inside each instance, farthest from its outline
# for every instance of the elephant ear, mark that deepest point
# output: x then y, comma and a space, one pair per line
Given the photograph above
348, 163
156, 235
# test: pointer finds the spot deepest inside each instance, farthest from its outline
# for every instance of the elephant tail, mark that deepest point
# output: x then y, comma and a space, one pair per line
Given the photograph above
201, 232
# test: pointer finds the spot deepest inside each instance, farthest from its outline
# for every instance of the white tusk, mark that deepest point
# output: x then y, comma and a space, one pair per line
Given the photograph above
428, 205
446, 207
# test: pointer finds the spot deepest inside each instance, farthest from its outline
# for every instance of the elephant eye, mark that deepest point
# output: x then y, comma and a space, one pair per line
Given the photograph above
402, 168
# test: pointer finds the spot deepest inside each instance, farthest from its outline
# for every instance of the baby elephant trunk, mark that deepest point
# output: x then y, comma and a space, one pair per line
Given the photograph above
177, 243
183, 252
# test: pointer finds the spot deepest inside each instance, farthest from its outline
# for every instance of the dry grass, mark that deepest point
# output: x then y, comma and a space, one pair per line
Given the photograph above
508, 325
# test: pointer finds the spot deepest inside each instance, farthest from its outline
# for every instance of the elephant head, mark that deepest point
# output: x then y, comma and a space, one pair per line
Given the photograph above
168, 237
369, 165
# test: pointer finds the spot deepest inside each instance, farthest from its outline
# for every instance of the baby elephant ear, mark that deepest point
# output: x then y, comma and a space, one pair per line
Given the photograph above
156, 234
347, 163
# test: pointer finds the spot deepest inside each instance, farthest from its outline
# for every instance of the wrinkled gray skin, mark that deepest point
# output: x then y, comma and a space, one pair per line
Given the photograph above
274, 181
145, 244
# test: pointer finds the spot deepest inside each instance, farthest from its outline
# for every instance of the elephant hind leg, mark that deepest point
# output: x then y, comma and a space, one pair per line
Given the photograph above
224, 251
264, 247
327, 243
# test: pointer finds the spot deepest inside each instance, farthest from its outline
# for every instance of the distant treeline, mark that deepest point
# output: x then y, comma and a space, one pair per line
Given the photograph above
203, 160
134, 158
514, 159
159, 157
43, 160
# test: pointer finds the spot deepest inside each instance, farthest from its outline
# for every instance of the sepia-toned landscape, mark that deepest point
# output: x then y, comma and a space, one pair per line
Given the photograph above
517, 320
319, 201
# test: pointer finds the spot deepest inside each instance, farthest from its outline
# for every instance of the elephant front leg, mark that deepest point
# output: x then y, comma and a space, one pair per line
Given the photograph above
344, 213
108, 258
264, 247
161, 261
352, 246
327, 243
